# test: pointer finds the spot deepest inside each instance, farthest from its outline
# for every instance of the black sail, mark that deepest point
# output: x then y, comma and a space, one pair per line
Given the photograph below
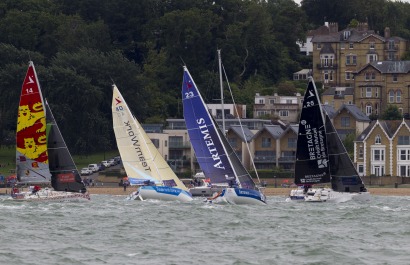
64, 173
312, 159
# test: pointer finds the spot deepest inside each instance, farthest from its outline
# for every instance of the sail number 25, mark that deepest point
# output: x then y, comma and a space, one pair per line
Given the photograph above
189, 94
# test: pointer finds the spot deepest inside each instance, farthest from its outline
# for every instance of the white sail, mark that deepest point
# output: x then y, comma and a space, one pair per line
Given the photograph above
141, 159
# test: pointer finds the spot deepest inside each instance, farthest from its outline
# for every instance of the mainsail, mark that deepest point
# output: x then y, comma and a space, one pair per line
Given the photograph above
215, 156
31, 140
141, 159
312, 161
65, 175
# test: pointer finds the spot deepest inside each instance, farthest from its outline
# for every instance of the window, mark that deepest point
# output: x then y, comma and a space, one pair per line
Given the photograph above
377, 139
368, 92
391, 45
404, 170
404, 154
403, 140
368, 109
348, 75
370, 76
391, 96
272, 101
351, 45
261, 101
291, 142
346, 34
398, 96
155, 142
288, 101
378, 170
378, 155
319, 45
371, 45
266, 142
371, 58
166, 143
261, 113
283, 113
361, 152
345, 121
360, 169
350, 59
394, 77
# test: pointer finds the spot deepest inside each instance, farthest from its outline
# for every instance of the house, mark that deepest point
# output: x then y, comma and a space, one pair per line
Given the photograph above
302, 74
349, 119
285, 108
338, 96
337, 55
383, 148
383, 83
267, 146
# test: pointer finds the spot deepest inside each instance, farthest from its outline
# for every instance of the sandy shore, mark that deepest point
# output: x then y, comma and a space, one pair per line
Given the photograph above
268, 191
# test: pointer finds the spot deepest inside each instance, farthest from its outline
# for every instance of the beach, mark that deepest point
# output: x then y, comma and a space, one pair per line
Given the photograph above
268, 191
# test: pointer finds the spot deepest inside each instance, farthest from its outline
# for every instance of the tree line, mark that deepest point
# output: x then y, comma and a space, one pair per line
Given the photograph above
80, 47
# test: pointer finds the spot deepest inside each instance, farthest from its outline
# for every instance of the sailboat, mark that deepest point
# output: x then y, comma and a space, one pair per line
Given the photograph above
215, 155
42, 157
142, 161
322, 159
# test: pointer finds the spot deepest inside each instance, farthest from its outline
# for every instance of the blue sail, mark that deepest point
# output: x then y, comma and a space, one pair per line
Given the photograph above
214, 154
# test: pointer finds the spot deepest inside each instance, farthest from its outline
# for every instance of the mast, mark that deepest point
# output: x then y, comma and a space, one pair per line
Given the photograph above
222, 91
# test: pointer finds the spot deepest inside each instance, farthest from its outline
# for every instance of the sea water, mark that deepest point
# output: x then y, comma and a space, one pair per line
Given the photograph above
110, 230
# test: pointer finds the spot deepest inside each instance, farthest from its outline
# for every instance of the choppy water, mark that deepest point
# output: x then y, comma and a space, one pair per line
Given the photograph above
109, 230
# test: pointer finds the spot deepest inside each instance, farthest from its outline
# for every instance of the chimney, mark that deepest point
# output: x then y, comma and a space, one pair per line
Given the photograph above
387, 33
333, 27
363, 26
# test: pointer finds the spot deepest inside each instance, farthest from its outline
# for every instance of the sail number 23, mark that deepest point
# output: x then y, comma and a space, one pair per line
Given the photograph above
189, 94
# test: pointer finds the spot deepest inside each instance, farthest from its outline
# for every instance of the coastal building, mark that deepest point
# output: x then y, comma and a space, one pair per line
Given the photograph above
383, 149
338, 96
338, 55
284, 108
382, 83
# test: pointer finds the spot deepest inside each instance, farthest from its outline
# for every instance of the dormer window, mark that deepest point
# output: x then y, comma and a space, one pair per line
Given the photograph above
346, 34
378, 139
319, 46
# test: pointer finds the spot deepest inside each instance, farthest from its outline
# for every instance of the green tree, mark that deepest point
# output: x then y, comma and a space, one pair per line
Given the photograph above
391, 113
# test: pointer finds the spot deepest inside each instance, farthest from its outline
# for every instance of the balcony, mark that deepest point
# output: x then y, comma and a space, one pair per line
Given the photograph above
264, 159
179, 145
287, 159
324, 67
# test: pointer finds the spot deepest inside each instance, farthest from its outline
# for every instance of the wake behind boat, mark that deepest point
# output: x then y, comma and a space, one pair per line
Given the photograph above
42, 156
144, 165
215, 155
322, 159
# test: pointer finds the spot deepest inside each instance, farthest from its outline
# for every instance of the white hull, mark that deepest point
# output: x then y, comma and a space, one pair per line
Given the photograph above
160, 193
243, 196
51, 196
328, 195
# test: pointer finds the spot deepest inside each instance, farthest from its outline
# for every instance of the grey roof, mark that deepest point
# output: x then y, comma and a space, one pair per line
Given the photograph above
355, 36
304, 71
355, 111
389, 126
292, 127
327, 48
274, 130
331, 112
392, 67
238, 131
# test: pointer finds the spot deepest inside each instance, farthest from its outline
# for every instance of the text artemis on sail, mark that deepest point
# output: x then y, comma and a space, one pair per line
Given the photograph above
210, 143
137, 146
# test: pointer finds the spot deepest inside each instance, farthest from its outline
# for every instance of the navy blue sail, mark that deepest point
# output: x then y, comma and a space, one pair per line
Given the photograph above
312, 161
215, 156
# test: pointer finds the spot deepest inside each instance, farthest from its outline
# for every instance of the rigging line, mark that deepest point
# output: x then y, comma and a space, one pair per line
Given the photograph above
240, 124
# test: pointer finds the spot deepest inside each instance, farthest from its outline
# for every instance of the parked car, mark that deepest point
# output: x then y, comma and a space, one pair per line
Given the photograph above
105, 163
112, 162
117, 159
86, 171
101, 167
93, 167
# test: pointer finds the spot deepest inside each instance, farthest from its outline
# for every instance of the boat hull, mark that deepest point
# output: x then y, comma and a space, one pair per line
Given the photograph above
205, 191
51, 196
160, 193
243, 196
328, 195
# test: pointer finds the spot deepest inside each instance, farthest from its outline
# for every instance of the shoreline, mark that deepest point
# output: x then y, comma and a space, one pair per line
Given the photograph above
269, 191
